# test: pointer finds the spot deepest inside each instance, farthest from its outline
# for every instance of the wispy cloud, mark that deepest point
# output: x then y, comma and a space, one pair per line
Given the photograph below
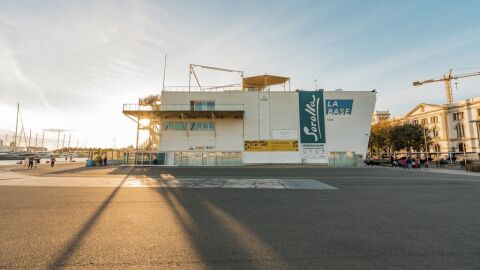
73, 64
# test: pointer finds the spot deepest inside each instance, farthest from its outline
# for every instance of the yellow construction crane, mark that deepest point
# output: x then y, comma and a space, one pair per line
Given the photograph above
447, 79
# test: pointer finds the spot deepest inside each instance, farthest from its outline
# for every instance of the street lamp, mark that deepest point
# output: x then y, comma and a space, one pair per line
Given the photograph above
426, 146
478, 135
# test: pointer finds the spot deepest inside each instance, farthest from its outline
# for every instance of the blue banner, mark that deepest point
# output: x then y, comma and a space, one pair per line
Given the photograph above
339, 106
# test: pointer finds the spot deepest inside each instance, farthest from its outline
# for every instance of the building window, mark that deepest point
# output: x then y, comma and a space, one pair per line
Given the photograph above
435, 132
201, 105
202, 125
460, 130
174, 126
415, 122
460, 147
434, 119
478, 112
458, 116
424, 121
437, 148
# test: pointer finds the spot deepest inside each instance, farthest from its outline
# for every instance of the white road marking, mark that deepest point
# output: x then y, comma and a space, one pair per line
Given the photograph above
17, 179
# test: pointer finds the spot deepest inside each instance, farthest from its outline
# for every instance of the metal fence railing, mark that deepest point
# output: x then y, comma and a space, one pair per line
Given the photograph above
203, 88
183, 107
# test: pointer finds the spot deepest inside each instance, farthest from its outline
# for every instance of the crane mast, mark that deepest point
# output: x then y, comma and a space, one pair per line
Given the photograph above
447, 80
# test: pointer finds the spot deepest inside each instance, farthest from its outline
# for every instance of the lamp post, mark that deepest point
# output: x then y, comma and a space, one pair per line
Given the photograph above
478, 135
426, 146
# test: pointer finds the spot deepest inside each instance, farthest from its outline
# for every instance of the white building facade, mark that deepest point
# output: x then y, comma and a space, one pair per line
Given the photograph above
232, 128
454, 128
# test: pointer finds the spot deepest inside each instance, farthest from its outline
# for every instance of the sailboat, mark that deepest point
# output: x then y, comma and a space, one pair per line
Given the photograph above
14, 154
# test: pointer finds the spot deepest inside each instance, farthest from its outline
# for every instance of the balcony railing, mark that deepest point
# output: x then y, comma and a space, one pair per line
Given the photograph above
183, 107
203, 88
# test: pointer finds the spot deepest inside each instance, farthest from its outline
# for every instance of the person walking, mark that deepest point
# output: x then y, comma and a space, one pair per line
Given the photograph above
25, 162
36, 162
30, 163
417, 164
105, 160
52, 161
395, 163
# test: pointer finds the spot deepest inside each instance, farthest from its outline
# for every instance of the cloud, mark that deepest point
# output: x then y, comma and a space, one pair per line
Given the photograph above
72, 64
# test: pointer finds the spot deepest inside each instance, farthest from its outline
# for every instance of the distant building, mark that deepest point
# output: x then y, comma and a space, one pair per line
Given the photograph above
453, 127
379, 116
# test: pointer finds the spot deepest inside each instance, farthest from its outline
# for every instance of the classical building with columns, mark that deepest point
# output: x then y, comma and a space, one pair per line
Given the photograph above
454, 128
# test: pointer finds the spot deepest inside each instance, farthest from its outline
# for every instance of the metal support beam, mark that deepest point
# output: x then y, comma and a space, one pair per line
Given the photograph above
185, 123
192, 70
214, 125
138, 130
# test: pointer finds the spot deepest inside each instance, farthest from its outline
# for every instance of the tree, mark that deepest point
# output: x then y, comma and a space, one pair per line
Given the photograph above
393, 138
409, 137
380, 137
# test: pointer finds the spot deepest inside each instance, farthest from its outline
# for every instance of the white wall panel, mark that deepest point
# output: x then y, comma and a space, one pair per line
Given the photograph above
271, 157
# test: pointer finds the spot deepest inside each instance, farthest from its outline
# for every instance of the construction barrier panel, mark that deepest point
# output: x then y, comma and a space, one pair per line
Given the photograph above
271, 145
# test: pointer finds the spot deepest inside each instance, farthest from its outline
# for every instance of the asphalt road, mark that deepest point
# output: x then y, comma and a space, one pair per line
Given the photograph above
376, 219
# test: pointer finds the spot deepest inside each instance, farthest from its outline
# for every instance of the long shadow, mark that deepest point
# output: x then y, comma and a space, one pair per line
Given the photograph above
197, 225
74, 243
219, 239
83, 169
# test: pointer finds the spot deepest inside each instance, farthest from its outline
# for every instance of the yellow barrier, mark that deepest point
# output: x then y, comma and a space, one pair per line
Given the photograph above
271, 145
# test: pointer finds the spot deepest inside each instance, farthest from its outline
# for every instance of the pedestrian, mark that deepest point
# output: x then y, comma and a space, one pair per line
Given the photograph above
403, 161
52, 161
30, 162
25, 162
409, 163
392, 160
417, 163
105, 160
36, 162
426, 163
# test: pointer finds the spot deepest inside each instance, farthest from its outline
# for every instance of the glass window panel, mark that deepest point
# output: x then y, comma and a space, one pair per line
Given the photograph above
198, 106
210, 105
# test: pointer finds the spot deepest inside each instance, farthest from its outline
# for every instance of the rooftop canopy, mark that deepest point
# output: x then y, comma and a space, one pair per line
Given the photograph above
262, 81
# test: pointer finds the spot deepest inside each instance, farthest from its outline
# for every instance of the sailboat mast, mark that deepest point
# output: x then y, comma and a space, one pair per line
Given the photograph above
35, 148
43, 137
16, 130
29, 139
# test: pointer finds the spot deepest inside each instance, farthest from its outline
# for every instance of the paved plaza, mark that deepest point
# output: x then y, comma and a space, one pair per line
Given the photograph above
238, 218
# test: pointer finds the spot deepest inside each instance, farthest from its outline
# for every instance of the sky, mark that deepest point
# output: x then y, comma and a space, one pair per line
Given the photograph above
72, 64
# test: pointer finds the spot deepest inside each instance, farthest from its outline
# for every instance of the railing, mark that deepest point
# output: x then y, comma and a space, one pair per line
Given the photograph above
183, 107
203, 88
137, 107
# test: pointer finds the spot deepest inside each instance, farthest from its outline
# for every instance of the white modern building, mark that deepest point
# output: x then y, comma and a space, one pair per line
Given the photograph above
253, 125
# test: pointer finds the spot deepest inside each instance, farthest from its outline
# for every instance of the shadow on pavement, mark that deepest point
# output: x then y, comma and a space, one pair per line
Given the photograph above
218, 237
74, 243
